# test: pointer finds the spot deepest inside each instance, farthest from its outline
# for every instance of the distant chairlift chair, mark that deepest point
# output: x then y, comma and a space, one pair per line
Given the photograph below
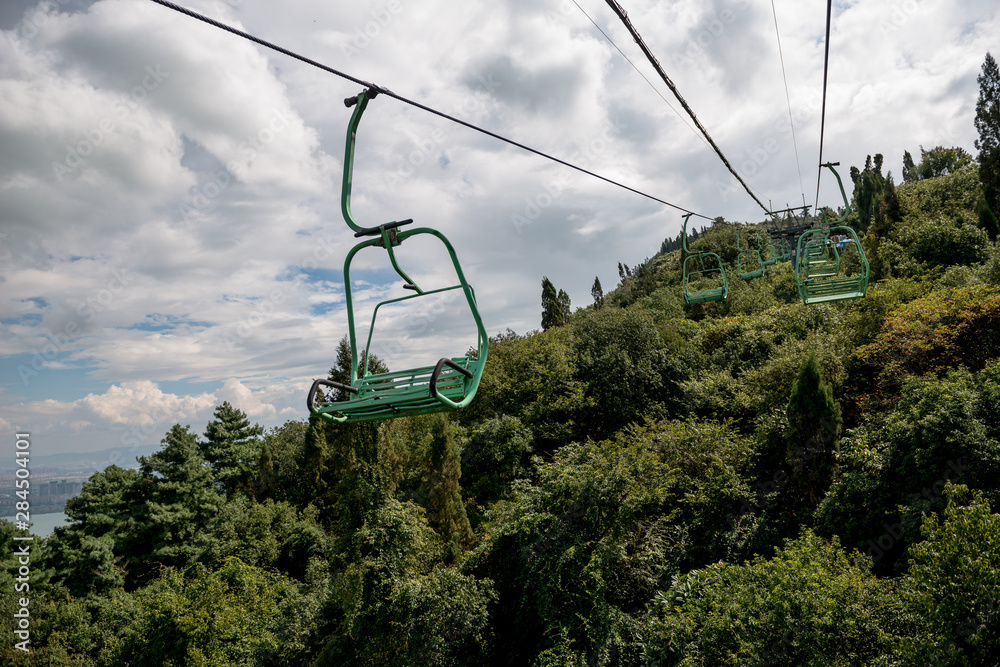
764, 240
448, 384
699, 265
819, 270
781, 250
749, 264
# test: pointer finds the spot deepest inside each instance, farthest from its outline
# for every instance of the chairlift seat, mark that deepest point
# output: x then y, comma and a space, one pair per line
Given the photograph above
401, 393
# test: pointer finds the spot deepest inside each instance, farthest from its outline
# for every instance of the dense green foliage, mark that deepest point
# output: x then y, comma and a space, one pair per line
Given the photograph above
751, 481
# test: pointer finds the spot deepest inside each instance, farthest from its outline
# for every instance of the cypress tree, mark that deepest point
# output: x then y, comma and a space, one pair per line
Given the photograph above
564, 309
552, 308
267, 478
597, 292
869, 186
909, 168
814, 422
445, 509
316, 455
988, 143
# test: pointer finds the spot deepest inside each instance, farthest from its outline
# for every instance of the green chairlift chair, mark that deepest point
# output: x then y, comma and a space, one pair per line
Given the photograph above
699, 265
764, 240
781, 250
749, 264
820, 273
448, 383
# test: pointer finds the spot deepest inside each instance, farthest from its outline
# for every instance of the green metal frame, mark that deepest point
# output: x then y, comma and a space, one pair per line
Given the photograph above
449, 384
781, 250
764, 241
702, 263
818, 264
749, 264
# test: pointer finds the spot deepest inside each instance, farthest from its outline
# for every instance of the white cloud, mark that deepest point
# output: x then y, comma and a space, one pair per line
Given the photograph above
168, 252
241, 398
141, 403
140, 413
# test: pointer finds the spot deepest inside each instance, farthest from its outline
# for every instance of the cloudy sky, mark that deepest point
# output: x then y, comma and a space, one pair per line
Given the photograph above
170, 228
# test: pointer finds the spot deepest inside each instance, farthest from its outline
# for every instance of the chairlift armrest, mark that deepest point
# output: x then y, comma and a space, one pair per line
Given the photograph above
327, 383
445, 361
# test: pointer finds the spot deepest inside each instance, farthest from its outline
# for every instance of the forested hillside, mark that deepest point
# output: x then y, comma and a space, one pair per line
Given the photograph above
751, 481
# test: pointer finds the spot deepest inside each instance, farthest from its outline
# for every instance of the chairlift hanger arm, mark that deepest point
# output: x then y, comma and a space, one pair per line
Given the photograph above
360, 103
847, 205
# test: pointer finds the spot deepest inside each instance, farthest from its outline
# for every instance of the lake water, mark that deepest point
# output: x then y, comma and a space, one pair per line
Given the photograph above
42, 525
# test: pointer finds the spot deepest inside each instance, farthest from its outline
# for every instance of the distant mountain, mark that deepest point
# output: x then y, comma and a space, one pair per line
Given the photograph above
79, 462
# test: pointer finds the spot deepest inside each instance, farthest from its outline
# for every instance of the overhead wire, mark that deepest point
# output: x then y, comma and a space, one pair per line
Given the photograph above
822, 122
385, 91
788, 99
611, 41
680, 98
629, 61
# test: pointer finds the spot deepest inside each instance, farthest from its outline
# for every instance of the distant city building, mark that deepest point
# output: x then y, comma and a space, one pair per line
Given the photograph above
60, 487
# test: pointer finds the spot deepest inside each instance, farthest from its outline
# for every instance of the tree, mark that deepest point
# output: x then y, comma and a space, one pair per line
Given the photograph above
564, 308
987, 219
813, 428
888, 215
232, 448
315, 456
267, 477
178, 499
909, 168
988, 126
228, 617
954, 584
552, 305
445, 510
938, 161
869, 186
597, 292
341, 370
812, 604
86, 553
